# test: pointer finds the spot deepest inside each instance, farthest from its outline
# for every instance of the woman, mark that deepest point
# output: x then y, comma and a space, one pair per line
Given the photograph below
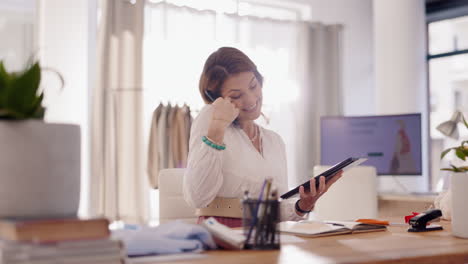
229, 153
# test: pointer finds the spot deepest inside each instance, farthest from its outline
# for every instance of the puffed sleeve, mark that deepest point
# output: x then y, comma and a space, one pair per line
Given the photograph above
203, 177
287, 209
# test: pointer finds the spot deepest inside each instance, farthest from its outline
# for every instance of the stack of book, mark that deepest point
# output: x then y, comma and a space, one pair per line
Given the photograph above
56, 241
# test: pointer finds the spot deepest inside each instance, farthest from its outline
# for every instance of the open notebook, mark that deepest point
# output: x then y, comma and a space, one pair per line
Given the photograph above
309, 228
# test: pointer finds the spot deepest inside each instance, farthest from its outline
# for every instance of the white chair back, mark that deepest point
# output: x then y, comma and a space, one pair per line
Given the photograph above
172, 205
353, 196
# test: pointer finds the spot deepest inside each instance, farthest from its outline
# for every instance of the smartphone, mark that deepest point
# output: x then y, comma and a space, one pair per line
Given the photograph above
328, 174
212, 99
209, 95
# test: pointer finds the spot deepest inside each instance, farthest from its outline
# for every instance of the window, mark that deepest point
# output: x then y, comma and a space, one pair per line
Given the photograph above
448, 84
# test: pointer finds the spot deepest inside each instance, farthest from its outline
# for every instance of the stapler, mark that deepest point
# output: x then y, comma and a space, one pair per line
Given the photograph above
419, 223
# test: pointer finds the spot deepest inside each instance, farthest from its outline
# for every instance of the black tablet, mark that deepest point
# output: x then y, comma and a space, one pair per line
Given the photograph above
345, 164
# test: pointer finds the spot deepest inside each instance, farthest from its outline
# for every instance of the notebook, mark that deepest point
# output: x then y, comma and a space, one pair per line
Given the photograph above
312, 228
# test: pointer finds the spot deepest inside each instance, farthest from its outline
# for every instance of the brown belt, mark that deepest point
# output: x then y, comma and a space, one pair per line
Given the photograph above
221, 206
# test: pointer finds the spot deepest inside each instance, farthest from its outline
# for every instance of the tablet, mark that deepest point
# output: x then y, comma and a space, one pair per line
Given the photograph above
344, 165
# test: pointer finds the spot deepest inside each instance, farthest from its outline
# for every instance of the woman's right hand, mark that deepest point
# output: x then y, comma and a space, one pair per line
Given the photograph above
224, 111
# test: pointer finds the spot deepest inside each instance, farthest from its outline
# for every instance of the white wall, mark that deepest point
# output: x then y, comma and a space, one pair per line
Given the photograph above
358, 75
385, 79
17, 26
67, 31
400, 56
401, 75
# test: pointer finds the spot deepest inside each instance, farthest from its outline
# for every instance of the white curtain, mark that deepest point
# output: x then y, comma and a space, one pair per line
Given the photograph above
118, 184
300, 62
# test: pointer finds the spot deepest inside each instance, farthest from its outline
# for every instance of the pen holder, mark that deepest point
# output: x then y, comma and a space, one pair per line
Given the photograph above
260, 221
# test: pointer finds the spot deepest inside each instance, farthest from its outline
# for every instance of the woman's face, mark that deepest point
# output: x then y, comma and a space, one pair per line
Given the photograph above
245, 92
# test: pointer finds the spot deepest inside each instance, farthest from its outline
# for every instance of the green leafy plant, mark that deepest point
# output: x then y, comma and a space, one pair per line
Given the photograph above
20, 96
461, 152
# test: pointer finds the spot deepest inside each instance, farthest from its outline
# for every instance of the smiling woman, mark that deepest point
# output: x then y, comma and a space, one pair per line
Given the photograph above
287, 52
230, 75
229, 153
245, 92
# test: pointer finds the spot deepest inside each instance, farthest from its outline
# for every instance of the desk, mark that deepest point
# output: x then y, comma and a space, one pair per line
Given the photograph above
394, 245
392, 205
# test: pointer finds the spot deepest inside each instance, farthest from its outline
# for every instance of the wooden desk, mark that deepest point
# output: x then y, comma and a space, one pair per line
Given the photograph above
393, 246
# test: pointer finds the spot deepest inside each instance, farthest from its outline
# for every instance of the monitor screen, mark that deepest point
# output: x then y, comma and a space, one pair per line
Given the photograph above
392, 143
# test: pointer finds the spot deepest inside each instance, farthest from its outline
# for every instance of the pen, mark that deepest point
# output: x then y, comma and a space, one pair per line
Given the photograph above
247, 209
379, 222
259, 233
246, 195
254, 216
273, 216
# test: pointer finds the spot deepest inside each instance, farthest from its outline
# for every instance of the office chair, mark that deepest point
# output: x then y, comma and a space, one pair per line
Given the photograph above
172, 205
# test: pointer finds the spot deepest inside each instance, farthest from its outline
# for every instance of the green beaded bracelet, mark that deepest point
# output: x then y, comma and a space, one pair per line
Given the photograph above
212, 144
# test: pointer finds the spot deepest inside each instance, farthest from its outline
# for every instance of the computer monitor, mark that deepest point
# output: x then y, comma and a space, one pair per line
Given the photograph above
392, 143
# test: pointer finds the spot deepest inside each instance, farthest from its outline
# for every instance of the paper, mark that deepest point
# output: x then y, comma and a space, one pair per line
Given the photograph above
290, 239
284, 238
165, 258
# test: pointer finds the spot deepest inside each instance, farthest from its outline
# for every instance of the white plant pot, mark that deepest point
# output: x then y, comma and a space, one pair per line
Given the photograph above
459, 184
39, 169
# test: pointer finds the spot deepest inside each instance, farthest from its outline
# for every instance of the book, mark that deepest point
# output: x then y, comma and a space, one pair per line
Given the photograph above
51, 230
308, 228
80, 251
224, 236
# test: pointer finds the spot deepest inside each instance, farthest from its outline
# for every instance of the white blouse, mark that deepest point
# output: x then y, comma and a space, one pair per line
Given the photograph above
228, 173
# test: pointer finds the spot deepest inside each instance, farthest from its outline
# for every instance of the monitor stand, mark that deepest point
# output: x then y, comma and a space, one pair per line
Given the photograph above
403, 184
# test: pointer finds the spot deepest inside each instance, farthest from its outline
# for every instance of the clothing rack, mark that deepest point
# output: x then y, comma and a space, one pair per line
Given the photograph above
169, 139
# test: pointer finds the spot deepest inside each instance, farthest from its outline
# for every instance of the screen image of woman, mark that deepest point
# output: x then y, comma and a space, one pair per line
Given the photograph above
402, 159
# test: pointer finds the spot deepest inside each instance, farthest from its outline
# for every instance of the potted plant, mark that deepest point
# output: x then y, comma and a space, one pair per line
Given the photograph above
457, 196
39, 161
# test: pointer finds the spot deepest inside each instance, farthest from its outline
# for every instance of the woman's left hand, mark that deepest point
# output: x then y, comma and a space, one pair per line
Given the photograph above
308, 199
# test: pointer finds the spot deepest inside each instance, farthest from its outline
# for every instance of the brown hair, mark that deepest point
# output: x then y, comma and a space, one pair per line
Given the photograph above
221, 64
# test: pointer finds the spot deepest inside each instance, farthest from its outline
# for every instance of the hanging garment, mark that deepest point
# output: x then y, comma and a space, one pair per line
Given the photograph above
180, 137
168, 140
153, 149
171, 126
163, 142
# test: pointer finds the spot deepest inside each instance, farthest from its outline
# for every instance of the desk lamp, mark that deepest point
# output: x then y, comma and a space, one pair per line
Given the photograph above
450, 127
